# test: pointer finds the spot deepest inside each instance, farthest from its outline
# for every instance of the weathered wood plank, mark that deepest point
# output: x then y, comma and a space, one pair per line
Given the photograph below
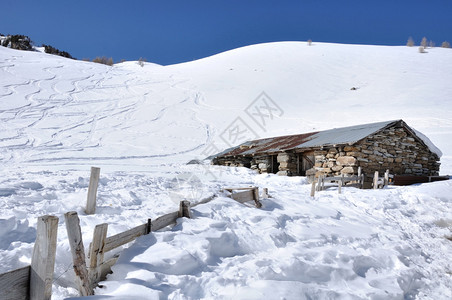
92, 191
78, 253
43, 258
375, 181
386, 178
344, 178
256, 197
313, 188
165, 220
96, 253
15, 284
244, 196
105, 267
238, 188
205, 200
184, 209
125, 237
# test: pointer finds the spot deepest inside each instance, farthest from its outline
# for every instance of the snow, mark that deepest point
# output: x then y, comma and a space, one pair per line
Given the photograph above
141, 125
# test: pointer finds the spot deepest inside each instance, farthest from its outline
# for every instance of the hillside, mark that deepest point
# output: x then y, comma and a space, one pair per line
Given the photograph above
312, 86
142, 124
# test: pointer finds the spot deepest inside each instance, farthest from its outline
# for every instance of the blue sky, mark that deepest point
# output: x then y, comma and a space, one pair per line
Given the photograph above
173, 31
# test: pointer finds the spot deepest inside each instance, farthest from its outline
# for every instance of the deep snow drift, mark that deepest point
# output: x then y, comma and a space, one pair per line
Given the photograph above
141, 125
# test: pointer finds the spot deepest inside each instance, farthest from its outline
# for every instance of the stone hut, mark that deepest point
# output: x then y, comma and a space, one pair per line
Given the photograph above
374, 147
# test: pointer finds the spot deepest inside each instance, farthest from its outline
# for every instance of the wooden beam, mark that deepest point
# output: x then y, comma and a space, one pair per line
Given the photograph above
92, 191
375, 182
15, 284
313, 188
238, 188
43, 258
256, 197
386, 180
339, 188
105, 267
74, 234
125, 237
96, 253
244, 196
184, 209
165, 220
205, 200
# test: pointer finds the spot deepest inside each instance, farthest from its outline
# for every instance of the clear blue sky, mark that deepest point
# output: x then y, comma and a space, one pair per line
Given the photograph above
172, 31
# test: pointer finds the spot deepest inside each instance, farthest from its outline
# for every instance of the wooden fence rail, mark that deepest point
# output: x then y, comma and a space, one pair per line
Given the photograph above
35, 281
339, 181
246, 194
87, 278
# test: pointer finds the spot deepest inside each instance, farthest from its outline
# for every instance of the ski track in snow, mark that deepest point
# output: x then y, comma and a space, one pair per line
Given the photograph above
64, 103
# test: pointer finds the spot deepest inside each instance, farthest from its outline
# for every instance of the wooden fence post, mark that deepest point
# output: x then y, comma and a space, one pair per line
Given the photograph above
256, 197
184, 209
386, 181
96, 253
265, 193
313, 188
74, 234
43, 259
375, 180
92, 191
339, 188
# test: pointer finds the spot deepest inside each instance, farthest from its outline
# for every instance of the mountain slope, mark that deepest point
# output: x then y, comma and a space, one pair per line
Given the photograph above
66, 110
141, 125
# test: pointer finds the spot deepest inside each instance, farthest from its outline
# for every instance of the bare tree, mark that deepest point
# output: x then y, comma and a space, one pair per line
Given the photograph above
309, 42
424, 42
410, 42
141, 62
445, 44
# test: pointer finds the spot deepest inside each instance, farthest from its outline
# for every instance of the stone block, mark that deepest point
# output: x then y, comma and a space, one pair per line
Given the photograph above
351, 148
346, 161
283, 157
337, 168
348, 170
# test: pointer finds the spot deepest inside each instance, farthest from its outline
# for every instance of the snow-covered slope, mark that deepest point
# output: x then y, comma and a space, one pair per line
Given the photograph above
58, 110
58, 117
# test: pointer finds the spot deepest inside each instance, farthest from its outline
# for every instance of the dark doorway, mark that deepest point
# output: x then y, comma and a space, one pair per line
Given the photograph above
275, 164
306, 161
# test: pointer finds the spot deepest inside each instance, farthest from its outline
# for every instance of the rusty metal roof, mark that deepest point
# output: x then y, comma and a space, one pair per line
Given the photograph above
338, 136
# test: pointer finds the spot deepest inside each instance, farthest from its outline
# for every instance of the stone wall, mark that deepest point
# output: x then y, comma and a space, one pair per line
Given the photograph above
393, 148
262, 164
287, 164
232, 161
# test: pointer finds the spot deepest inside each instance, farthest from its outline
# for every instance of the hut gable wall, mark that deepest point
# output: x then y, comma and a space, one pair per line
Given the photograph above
396, 149
393, 148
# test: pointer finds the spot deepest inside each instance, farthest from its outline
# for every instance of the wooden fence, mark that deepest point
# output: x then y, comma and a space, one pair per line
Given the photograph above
35, 281
88, 276
247, 194
339, 181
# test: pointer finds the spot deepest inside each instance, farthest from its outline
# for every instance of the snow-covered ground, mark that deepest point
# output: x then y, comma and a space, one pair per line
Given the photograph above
141, 125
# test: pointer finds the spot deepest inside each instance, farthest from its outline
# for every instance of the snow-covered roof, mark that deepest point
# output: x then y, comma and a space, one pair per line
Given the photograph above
337, 136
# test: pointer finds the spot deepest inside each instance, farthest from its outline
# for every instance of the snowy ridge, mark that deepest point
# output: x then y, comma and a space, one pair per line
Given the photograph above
141, 125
